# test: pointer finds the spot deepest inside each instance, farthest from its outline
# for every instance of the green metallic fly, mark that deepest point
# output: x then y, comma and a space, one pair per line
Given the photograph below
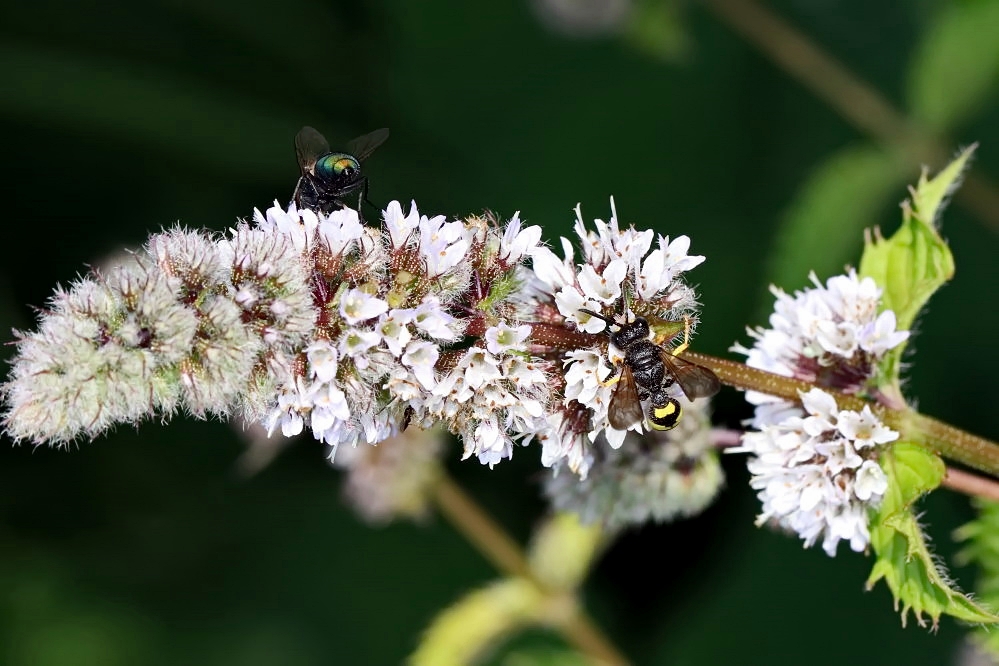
327, 176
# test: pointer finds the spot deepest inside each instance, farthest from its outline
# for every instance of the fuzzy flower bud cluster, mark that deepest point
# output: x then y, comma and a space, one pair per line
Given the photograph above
617, 266
191, 323
394, 479
659, 477
815, 466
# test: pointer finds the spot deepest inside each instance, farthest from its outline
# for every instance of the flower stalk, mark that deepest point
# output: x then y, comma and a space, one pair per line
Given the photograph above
503, 552
942, 438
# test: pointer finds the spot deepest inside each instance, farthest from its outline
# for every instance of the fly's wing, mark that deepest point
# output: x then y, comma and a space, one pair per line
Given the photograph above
363, 146
695, 380
625, 409
309, 146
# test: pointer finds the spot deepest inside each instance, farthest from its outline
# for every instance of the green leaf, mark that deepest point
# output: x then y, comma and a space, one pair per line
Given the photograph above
821, 229
930, 196
463, 632
656, 28
982, 549
956, 67
904, 561
915, 262
562, 551
545, 656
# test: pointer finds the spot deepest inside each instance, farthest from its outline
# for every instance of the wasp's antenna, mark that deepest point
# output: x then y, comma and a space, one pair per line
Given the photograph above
598, 316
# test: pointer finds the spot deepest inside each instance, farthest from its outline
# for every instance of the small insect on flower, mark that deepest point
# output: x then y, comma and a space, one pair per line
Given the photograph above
649, 371
328, 176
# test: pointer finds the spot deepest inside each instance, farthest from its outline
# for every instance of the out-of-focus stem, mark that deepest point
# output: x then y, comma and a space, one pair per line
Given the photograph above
943, 438
503, 552
480, 529
858, 103
971, 484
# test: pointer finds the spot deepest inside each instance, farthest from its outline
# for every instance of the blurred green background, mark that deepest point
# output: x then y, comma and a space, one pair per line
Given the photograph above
119, 118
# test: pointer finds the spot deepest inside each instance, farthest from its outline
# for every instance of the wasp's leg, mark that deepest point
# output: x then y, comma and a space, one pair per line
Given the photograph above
613, 378
362, 197
682, 347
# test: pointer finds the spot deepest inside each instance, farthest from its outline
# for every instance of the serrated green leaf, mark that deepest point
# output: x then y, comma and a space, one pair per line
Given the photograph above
982, 549
562, 551
904, 561
821, 229
930, 196
915, 262
956, 67
474, 624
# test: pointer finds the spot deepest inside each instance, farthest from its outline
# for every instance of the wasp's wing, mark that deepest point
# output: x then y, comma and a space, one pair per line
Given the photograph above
309, 146
625, 409
363, 146
695, 380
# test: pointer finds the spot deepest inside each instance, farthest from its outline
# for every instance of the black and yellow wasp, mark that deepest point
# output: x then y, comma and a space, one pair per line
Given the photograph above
648, 372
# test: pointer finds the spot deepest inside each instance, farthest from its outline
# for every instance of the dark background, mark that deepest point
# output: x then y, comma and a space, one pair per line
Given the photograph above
119, 118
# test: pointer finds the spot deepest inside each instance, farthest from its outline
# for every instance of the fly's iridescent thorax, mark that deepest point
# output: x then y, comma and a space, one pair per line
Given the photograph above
630, 333
336, 167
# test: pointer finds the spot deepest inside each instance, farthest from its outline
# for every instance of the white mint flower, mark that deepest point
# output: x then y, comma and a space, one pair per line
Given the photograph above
394, 331
399, 225
517, 243
605, 287
818, 475
340, 230
322, 360
357, 306
431, 318
832, 331
442, 244
865, 429
506, 338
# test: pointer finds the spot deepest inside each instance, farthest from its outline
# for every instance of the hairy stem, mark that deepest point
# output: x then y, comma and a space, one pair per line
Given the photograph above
858, 103
943, 438
504, 553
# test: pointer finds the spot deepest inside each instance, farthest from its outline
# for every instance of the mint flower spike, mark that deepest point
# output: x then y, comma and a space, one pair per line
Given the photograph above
313, 322
818, 475
618, 266
816, 466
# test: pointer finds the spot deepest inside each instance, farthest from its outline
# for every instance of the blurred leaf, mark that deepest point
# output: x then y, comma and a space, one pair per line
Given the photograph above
915, 262
903, 558
545, 656
463, 632
171, 114
957, 65
656, 28
821, 229
562, 551
982, 549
